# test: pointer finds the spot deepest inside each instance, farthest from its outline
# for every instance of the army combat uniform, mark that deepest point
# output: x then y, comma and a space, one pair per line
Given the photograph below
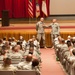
40, 31
54, 30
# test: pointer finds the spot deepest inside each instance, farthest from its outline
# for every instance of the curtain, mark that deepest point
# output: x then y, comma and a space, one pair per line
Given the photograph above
34, 8
8, 6
26, 10
19, 8
2, 5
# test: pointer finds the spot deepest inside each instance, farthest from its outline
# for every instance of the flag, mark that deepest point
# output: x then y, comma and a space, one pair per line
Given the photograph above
37, 10
44, 7
30, 8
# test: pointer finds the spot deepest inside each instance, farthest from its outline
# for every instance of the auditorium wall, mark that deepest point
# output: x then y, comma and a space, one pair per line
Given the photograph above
62, 7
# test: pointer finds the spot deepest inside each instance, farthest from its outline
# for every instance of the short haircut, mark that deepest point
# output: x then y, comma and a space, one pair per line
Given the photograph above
35, 62
29, 58
73, 51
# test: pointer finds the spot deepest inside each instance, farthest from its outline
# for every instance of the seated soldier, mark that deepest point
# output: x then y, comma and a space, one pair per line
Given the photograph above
36, 45
13, 41
7, 65
1, 42
20, 50
71, 58
34, 66
3, 54
23, 42
33, 52
71, 62
4, 39
26, 62
69, 44
73, 52
30, 43
15, 55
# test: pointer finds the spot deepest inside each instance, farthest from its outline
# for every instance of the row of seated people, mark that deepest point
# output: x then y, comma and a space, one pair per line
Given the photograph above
65, 53
21, 54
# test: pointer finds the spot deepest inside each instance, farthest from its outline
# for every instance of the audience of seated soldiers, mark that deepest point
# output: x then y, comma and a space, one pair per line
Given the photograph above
25, 52
65, 52
29, 55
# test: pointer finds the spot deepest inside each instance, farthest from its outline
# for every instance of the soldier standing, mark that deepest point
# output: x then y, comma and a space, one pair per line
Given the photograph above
40, 31
54, 29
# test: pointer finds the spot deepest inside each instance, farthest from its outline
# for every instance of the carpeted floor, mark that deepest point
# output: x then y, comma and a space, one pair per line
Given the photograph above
49, 64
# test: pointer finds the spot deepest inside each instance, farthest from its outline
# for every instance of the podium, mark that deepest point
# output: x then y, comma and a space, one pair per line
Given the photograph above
5, 18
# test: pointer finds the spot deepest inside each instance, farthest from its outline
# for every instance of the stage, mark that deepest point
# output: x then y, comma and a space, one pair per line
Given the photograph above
27, 30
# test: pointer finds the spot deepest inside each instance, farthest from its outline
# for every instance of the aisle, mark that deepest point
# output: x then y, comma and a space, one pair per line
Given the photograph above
49, 64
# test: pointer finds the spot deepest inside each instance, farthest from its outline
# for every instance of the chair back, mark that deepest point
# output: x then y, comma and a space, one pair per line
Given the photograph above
23, 72
7, 73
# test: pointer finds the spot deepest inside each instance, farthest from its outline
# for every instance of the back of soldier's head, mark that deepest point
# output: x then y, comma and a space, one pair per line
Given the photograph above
73, 51
31, 48
3, 52
73, 43
18, 46
35, 62
19, 43
63, 41
3, 47
13, 39
1, 40
69, 43
15, 48
7, 61
6, 43
4, 38
29, 58
10, 39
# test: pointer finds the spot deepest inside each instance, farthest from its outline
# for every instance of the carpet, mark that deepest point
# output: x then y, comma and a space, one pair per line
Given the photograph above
49, 64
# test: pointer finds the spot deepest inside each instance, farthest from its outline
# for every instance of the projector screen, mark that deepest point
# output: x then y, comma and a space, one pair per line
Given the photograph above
62, 7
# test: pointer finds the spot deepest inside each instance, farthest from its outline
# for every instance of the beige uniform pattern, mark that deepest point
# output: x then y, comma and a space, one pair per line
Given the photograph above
40, 31
8, 68
24, 65
54, 30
